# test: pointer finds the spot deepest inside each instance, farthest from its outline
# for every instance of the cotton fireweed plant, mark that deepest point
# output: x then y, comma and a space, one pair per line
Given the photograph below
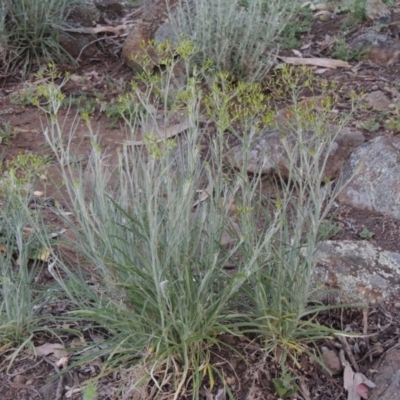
156, 233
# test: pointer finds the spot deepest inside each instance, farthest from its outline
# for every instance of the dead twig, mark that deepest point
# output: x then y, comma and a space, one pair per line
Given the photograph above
349, 353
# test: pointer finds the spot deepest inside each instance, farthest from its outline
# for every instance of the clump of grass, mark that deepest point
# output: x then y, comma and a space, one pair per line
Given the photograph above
29, 33
163, 294
240, 38
166, 297
153, 231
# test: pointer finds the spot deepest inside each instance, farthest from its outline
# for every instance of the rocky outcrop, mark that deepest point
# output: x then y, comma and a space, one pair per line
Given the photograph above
377, 11
267, 153
379, 48
374, 173
359, 271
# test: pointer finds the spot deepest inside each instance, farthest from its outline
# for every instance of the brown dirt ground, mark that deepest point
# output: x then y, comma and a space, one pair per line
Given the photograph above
250, 379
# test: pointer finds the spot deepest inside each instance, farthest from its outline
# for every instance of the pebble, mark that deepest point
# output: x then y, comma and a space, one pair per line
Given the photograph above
20, 379
332, 361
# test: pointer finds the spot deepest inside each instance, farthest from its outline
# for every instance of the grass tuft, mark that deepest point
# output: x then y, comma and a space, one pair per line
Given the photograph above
239, 37
29, 33
177, 248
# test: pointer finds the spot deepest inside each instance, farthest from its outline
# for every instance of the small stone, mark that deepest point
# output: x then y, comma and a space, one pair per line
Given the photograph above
378, 349
397, 305
376, 10
392, 106
374, 87
324, 16
378, 100
20, 379
332, 361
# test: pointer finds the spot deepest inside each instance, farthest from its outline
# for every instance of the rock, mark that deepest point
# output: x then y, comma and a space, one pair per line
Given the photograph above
154, 15
388, 378
83, 15
380, 49
49, 390
358, 270
377, 11
87, 14
378, 100
166, 32
20, 379
332, 361
109, 9
267, 154
78, 45
374, 170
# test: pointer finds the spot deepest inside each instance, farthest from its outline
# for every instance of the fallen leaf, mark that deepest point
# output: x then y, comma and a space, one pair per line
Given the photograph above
205, 194
306, 46
221, 394
318, 62
56, 349
62, 362
320, 71
116, 30
348, 377
168, 133
71, 392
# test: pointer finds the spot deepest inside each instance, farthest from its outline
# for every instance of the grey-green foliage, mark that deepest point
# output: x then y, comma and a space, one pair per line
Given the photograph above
163, 293
20, 300
239, 37
158, 281
29, 32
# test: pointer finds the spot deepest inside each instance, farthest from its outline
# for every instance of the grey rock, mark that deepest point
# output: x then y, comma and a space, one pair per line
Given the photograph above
378, 100
370, 38
358, 270
374, 170
332, 361
267, 153
388, 378
166, 32
49, 390
378, 48
376, 10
